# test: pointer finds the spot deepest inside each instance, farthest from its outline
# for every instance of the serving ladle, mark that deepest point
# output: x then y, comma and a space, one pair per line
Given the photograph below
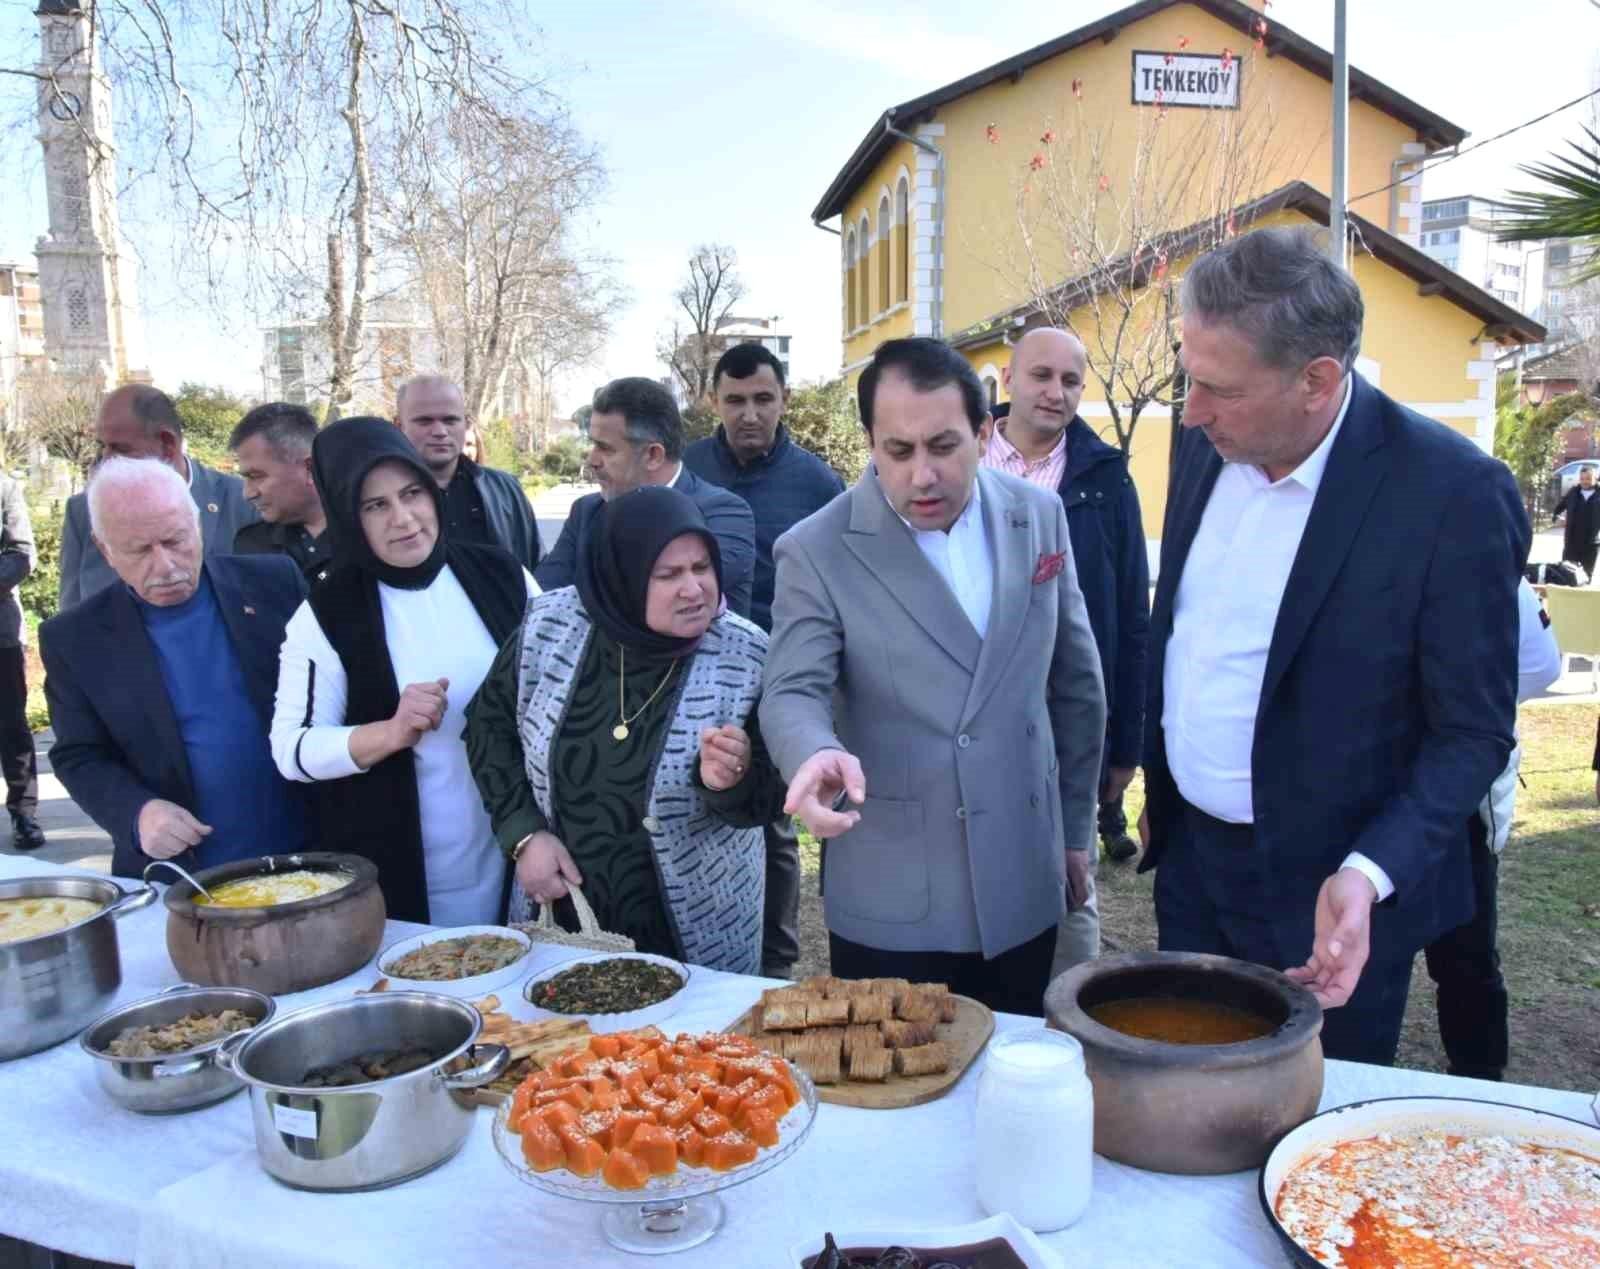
181, 871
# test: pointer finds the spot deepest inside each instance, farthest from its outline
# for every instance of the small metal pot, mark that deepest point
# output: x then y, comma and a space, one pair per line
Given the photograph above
172, 1081
52, 986
365, 1136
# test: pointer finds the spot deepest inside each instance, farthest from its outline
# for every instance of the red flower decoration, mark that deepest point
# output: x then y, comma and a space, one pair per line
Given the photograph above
1183, 41
1261, 26
1227, 58
1105, 181
1036, 162
993, 134
1048, 566
1049, 136
1169, 58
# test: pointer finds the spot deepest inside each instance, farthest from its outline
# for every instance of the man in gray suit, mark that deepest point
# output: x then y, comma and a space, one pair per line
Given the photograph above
932, 661
138, 421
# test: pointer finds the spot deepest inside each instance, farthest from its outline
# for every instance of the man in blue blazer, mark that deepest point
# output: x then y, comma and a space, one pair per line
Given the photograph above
161, 686
636, 438
1333, 647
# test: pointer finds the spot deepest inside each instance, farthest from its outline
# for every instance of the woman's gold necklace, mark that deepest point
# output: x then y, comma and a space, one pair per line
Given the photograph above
620, 731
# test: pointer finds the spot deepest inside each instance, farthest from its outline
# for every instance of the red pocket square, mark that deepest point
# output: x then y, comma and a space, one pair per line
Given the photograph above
1048, 566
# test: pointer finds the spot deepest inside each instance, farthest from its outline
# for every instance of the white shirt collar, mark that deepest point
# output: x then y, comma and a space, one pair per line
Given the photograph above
1309, 474
673, 483
974, 503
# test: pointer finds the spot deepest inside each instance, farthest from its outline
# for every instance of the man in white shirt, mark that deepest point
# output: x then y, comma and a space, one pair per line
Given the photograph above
932, 661
1333, 674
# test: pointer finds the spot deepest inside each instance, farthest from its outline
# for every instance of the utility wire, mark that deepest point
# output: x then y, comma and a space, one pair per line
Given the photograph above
1428, 167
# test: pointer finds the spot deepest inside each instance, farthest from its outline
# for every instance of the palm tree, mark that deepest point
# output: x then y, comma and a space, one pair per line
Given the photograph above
1571, 209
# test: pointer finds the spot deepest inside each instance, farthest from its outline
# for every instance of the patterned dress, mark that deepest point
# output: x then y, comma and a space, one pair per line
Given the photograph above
601, 786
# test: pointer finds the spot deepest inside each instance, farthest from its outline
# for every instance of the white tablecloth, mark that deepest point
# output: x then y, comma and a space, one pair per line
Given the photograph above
81, 1174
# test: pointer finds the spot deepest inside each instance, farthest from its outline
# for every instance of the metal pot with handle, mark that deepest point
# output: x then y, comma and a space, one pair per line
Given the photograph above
54, 985
379, 1132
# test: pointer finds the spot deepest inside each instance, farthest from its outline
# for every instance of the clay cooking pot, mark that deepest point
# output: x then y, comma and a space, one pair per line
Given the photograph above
282, 948
1195, 1109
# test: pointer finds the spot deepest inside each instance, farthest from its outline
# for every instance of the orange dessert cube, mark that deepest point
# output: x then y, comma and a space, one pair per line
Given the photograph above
624, 1172
730, 1150
605, 1046
681, 1109
760, 1125
656, 1148
584, 1155
540, 1145
691, 1146
711, 1123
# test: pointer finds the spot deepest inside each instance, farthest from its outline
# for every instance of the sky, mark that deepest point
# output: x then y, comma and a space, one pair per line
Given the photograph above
724, 120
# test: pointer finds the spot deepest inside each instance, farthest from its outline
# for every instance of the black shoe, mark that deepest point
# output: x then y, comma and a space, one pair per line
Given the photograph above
1121, 847
25, 832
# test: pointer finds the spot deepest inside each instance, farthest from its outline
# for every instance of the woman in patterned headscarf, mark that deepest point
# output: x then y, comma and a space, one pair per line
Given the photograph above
616, 747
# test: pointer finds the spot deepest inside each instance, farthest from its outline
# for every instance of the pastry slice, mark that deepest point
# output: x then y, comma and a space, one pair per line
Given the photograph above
924, 1059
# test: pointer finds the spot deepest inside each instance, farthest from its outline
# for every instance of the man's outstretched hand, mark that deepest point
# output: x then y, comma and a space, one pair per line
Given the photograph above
1342, 940
821, 780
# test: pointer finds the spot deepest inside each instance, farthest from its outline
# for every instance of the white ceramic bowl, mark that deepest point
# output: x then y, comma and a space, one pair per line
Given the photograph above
462, 988
605, 1022
1033, 1253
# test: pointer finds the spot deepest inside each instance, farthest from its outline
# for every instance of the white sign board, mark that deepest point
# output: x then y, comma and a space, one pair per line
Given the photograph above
1185, 79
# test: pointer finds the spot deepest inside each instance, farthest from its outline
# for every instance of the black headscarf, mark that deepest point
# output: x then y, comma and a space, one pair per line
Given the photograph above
618, 554
342, 455
376, 815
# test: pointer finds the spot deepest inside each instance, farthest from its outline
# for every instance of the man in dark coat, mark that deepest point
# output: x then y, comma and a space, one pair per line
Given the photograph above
272, 446
1333, 647
481, 504
1581, 510
138, 421
161, 686
636, 438
752, 455
17, 755
1040, 438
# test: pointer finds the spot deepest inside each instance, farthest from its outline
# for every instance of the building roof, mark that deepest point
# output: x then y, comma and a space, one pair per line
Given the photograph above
1432, 130
1500, 320
59, 8
1568, 362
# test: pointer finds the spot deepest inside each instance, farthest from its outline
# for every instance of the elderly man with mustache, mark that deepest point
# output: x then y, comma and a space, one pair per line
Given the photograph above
161, 687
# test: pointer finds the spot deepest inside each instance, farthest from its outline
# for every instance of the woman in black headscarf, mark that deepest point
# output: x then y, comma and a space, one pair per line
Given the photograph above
377, 669
616, 747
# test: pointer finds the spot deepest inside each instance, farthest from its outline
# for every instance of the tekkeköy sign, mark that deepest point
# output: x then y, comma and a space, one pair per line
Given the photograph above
1185, 79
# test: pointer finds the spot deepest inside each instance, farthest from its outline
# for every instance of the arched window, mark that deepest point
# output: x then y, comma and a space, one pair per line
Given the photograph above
991, 389
902, 242
864, 270
849, 280
885, 252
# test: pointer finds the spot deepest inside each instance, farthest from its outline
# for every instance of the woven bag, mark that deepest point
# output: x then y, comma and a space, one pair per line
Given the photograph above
589, 934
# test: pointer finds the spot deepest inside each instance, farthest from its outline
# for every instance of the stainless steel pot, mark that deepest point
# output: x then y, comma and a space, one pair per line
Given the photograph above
364, 1136
172, 1081
52, 986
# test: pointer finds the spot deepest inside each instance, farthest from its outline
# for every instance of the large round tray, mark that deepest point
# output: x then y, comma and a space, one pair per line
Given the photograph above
1401, 1114
670, 1213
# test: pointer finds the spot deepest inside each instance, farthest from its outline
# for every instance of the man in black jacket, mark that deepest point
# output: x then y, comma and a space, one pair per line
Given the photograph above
751, 455
1581, 510
481, 504
1040, 437
636, 438
17, 755
272, 447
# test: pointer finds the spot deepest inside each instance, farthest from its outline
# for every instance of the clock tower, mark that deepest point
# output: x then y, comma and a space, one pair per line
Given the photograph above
87, 278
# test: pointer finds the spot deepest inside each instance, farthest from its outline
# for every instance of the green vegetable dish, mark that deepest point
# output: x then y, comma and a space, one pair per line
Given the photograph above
620, 985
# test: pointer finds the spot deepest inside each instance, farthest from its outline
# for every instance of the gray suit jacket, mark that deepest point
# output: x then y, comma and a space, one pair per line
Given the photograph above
223, 512
982, 756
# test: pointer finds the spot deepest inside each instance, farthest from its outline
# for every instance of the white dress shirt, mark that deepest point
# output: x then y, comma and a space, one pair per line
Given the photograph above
432, 633
960, 555
1223, 617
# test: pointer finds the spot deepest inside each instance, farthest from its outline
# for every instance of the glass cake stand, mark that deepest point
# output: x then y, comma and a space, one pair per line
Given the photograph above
671, 1213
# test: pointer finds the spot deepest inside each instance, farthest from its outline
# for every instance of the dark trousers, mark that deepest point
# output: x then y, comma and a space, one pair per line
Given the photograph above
1587, 556
1012, 982
1110, 819
780, 929
1212, 895
1474, 1010
17, 758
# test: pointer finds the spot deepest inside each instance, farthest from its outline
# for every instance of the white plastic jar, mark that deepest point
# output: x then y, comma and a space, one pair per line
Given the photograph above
1035, 1129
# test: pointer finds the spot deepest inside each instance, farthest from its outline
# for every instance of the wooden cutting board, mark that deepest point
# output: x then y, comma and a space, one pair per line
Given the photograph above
966, 1037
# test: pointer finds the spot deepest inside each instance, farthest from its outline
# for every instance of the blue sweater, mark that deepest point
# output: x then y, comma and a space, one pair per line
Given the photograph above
783, 487
238, 790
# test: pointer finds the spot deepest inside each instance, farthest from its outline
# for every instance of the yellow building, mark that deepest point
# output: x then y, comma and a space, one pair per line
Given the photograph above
1073, 182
